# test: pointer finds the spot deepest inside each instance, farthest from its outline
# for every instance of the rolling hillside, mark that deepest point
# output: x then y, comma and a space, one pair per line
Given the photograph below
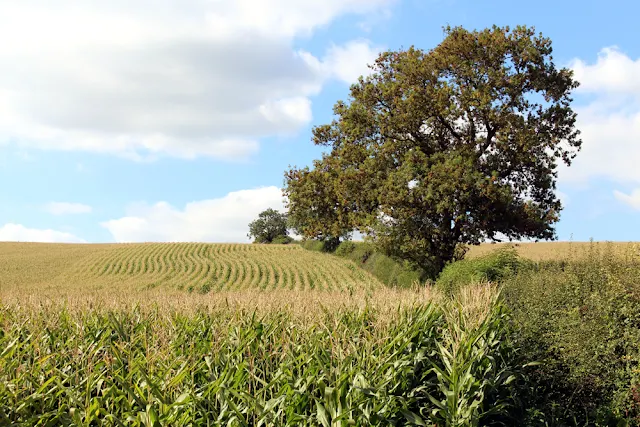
196, 267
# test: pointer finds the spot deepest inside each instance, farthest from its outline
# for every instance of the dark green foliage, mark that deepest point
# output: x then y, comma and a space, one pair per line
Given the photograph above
391, 272
314, 245
282, 240
359, 252
346, 248
384, 268
312, 205
435, 148
493, 267
581, 319
270, 225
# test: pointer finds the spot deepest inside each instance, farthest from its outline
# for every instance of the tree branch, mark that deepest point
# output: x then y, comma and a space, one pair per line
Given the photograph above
450, 128
472, 125
491, 132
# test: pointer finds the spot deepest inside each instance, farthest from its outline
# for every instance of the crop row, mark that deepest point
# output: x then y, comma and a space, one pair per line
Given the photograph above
217, 267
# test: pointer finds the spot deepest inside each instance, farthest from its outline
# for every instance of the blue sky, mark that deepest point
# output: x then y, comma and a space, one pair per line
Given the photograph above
130, 121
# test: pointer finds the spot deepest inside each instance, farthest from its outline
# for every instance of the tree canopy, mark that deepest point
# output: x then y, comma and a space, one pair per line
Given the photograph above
455, 145
269, 226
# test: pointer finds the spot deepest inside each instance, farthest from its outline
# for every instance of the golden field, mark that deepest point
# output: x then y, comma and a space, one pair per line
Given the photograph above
548, 251
192, 267
201, 268
184, 334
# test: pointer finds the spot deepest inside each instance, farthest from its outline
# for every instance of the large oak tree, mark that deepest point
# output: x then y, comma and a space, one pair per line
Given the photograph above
455, 145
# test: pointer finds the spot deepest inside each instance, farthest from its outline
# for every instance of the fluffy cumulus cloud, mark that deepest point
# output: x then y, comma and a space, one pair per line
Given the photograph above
223, 219
608, 110
348, 62
66, 208
613, 72
181, 78
609, 119
19, 233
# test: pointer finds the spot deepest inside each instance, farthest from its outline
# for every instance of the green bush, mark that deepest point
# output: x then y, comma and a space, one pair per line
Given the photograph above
282, 240
313, 245
386, 269
361, 252
493, 267
328, 245
346, 248
581, 319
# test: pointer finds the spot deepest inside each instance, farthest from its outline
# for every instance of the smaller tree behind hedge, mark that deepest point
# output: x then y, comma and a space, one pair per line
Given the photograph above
270, 227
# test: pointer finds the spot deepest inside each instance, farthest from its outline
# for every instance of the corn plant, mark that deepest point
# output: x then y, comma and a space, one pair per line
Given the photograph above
149, 365
470, 363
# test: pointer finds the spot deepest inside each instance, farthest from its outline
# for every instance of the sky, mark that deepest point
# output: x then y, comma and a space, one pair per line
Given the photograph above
174, 120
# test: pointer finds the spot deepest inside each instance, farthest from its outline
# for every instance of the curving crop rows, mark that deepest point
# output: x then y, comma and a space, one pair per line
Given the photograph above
206, 267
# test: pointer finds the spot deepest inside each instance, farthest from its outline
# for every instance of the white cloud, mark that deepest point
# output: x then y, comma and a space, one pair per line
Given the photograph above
610, 147
225, 219
64, 208
18, 233
632, 199
350, 61
283, 17
184, 78
609, 120
613, 72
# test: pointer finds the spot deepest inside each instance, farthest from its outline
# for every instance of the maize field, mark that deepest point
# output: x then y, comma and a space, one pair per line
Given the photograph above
108, 335
191, 267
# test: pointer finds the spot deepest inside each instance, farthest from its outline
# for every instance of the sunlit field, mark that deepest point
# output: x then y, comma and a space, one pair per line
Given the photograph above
191, 267
275, 335
550, 251
194, 334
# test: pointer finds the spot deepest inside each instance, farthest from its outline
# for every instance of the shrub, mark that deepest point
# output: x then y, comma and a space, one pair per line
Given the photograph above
386, 269
345, 248
581, 319
313, 245
362, 252
392, 272
493, 267
282, 240
389, 271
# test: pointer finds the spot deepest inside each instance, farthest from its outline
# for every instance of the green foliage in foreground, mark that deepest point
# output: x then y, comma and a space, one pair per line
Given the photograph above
581, 319
425, 365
